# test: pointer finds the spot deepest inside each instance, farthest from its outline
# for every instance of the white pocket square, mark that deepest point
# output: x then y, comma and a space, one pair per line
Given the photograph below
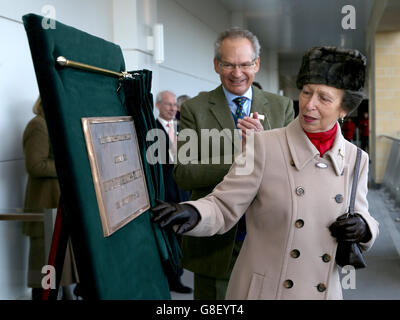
261, 117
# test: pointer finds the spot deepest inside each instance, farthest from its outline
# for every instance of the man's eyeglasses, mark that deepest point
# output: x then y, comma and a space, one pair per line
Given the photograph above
243, 66
169, 104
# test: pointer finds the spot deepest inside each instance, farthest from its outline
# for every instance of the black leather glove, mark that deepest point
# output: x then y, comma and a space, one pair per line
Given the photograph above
169, 214
351, 229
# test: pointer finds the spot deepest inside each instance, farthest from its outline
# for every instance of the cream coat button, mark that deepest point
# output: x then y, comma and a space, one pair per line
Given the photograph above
288, 284
321, 287
300, 191
339, 198
326, 258
295, 253
299, 223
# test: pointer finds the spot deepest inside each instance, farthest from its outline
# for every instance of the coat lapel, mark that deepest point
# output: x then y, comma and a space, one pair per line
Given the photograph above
260, 104
337, 153
303, 150
220, 109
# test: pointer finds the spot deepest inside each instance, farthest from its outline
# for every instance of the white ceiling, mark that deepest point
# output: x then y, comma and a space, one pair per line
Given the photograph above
290, 27
293, 26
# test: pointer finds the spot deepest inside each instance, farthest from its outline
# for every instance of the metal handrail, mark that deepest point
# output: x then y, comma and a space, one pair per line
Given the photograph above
18, 214
64, 62
389, 137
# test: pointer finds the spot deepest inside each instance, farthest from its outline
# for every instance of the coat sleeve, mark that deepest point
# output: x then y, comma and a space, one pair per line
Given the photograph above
38, 160
361, 203
191, 176
221, 209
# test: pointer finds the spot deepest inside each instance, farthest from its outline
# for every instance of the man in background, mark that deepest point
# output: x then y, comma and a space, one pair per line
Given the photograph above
166, 103
181, 99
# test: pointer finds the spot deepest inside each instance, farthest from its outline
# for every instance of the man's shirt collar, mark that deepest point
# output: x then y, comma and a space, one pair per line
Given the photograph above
232, 105
230, 96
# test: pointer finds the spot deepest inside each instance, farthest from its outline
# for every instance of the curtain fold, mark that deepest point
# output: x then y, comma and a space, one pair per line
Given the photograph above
139, 105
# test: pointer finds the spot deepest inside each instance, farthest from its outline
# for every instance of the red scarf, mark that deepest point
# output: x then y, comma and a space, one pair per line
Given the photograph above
323, 141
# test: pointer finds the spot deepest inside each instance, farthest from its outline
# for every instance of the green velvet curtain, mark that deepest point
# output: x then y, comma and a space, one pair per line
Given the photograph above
132, 262
139, 104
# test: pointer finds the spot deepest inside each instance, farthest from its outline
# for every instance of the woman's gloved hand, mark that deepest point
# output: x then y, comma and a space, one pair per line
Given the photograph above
169, 214
351, 229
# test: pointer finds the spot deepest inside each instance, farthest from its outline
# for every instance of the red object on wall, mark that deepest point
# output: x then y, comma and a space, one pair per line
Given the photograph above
348, 129
363, 125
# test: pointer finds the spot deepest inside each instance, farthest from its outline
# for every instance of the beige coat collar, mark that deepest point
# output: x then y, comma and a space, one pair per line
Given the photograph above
303, 151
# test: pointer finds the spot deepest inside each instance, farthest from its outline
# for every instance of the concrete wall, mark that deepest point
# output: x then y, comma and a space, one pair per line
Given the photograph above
378, 8
268, 76
18, 92
189, 44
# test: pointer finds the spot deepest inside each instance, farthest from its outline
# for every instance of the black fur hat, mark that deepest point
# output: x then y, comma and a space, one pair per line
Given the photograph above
336, 67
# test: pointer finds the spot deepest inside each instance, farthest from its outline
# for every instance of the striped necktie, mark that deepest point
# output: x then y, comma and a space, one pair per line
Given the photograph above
171, 131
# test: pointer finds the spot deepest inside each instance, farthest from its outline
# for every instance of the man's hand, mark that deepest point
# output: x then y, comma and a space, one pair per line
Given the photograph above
169, 214
249, 124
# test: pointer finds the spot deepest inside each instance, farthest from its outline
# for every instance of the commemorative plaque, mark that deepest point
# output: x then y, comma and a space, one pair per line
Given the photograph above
117, 170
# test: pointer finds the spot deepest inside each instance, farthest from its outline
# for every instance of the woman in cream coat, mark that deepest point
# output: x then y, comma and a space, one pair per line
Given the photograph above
299, 187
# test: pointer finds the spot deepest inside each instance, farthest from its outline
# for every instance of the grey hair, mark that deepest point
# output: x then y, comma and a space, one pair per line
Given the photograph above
181, 99
351, 100
160, 94
235, 33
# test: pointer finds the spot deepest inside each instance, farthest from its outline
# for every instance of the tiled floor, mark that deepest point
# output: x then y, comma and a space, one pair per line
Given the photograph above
381, 278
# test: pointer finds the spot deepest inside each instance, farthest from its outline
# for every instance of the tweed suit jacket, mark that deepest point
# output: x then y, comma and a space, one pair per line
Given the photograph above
210, 256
